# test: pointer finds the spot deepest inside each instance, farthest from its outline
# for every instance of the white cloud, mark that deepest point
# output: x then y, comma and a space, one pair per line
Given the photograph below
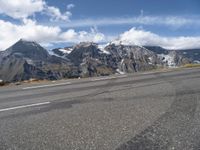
70, 6
142, 37
82, 36
56, 15
169, 21
10, 33
20, 9
69, 35
45, 35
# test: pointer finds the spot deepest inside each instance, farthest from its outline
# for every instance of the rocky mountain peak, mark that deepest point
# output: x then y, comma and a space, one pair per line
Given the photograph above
83, 50
86, 45
27, 59
28, 49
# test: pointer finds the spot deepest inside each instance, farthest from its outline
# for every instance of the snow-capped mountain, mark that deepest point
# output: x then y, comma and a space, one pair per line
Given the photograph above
25, 60
173, 58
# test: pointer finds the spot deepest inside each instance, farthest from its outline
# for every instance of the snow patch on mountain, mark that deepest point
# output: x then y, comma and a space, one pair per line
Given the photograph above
168, 59
102, 49
119, 71
66, 51
197, 61
54, 54
150, 60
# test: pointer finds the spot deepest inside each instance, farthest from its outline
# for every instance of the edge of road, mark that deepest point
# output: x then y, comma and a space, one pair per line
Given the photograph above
49, 83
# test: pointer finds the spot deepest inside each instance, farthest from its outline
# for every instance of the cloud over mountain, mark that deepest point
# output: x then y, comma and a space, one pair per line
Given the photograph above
49, 23
45, 35
141, 37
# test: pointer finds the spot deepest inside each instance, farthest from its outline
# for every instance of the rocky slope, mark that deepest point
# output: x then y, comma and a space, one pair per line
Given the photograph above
25, 60
192, 54
93, 60
89, 59
131, 58
172, 58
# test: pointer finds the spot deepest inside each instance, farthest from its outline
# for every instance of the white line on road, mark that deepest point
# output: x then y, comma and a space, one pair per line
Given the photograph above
24, 106
108, 78
48, 85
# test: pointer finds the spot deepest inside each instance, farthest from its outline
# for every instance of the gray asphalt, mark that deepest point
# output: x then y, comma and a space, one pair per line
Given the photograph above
141, 111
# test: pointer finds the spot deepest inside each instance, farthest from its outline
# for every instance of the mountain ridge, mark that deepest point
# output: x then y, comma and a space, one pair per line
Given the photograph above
26, 59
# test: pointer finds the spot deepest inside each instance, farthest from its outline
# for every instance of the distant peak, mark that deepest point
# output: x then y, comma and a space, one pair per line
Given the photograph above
86, 44
26, 41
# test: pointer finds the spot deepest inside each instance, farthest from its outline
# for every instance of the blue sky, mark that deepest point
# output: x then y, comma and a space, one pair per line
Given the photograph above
91, 9
55, 23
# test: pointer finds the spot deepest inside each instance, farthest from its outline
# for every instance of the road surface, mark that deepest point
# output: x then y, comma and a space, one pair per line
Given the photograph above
141, 111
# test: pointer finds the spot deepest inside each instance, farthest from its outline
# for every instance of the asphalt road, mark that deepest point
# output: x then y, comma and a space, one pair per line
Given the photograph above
158, 110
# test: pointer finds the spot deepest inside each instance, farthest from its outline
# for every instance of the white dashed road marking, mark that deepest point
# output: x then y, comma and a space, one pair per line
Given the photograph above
43, 86
24, 106
108, 78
